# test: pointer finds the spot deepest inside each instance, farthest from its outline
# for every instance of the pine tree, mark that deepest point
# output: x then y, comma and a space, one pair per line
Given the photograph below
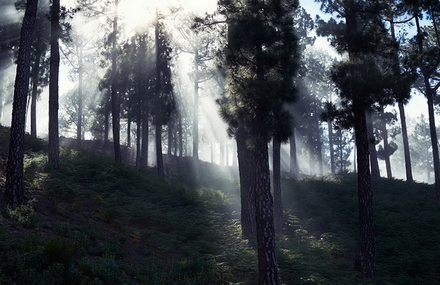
261, 60
362, 84
54, 152
14, 194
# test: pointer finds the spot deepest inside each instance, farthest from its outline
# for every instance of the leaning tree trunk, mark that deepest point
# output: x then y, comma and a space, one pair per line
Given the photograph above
54, 153
408, 169
14, 189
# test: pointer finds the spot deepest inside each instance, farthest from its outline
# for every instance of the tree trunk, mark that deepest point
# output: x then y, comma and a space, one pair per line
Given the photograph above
35, 79
386, 145
138, 138
114, 92
196, 106
319, 154
429, 92
294, 170
408, 169
54, 155
129, 131
365, 194
145, 136
80, 97
170, 138
433, 132
180, 137
375, 171
14, 188
246, 173
159, 156
267, 264
278, 205
332, 153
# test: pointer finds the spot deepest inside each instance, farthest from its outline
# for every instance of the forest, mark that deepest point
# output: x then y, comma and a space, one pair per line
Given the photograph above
163, 142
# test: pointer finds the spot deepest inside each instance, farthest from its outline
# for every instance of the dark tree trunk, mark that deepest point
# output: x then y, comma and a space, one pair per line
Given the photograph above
80, 97
35, 79
433, 132
408, 169
319, 154
246, 173
14, 194
145, 137
54, 154
106, 119
294, 170
386, 146
430, 93
159, 156
129, 131
196, 106
375, 171
332, 153
267, 264
180, 137
138, 136
278, 205
114, 92
365, 194
170, 138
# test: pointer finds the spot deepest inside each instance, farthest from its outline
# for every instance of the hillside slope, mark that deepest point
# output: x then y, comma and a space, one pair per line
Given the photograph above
96, 222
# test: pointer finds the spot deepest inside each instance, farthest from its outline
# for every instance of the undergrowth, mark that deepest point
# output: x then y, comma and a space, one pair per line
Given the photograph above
97, 222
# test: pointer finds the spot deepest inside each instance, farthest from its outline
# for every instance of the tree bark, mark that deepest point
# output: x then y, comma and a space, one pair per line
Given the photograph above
54, 153
246, 173
365, 194
14, 194
267, 264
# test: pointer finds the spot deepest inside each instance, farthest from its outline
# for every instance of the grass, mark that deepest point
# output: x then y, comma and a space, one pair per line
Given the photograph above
96, 222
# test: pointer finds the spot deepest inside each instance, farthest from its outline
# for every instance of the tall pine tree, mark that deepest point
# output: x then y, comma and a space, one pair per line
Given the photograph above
261, 60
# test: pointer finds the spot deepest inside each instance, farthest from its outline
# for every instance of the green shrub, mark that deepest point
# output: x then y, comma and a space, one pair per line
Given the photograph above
24, 214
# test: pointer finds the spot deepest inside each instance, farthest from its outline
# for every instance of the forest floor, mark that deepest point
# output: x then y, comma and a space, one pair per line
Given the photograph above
97, 222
